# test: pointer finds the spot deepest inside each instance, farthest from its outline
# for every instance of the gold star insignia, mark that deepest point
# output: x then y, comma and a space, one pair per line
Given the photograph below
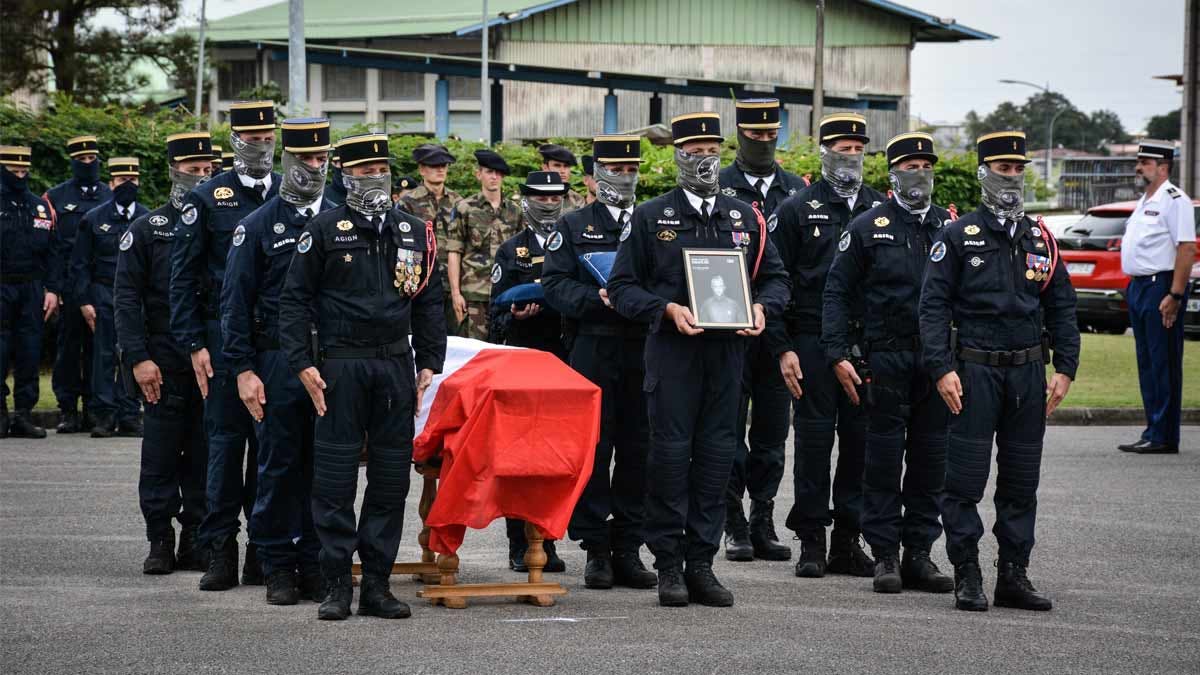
348, 257
589, 228
971, 230
882, 221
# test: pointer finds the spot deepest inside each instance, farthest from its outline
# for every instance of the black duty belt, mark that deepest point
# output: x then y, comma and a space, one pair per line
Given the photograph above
389, 350
911, 343
613, 329
1015, 358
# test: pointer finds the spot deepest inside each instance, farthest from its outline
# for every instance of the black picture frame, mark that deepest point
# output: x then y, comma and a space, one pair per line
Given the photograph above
704, 268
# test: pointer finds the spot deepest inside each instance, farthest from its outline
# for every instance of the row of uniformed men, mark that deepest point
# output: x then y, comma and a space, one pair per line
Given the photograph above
686, 379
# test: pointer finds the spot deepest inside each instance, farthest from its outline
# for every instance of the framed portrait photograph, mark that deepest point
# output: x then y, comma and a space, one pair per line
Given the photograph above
718, 288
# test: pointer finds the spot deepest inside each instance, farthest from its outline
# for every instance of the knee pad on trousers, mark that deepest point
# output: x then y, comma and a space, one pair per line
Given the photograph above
1018, 474
967, 469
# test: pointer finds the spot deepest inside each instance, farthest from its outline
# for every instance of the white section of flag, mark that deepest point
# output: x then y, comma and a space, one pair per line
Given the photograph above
458, 352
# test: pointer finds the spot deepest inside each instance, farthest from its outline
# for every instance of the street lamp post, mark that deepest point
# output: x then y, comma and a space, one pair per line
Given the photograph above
1050, 131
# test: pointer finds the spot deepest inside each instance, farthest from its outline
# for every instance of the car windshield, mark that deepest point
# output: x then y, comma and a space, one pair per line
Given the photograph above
1106, 225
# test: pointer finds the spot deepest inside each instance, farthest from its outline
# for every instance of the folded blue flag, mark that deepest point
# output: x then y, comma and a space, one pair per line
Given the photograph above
521, 293
599, 264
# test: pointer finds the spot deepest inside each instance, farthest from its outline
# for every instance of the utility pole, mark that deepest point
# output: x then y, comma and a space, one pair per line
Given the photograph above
297, 63
1190, 119
818, 96
200, 65
485, 86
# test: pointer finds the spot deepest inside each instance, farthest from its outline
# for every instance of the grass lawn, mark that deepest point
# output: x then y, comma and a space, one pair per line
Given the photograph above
1107, 376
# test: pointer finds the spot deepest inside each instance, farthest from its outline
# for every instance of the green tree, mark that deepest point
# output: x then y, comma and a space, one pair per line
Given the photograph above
1165, 127
40, 39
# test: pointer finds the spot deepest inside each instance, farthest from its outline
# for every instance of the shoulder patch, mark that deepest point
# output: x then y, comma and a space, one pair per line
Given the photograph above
844, 241
554, 242
158, 221
626, 230
497, 273
938, 252
189, 214
305, 243
239, 235
772, 223
126, 241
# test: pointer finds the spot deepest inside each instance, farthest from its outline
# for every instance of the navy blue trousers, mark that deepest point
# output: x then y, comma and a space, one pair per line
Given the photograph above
108, 392
72, 376
1159, 357
174, 457
21, 341
758, 465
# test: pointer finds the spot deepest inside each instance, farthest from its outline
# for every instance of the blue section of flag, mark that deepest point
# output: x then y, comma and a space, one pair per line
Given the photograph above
599, 264
522, 293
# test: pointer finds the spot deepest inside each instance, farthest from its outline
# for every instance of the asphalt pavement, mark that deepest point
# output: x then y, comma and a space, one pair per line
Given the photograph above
1117, 550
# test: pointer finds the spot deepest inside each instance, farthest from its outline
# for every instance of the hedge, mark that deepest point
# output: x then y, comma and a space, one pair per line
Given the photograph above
133, 132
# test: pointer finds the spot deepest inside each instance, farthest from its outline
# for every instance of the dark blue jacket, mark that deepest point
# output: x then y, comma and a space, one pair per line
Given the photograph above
69, 201
519, 261
570, 288
982, 280
94, 260
210, 214
649, 270
140, 298
880, 264
734, 184
27, 240
259, 258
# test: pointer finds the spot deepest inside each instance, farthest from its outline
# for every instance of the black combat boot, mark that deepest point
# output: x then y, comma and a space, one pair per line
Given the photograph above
887, 574
338, 594
222, 565
281, 588
917, 571
68, 423
762, 532
375, 599
104, 427
252, 574
703, 586
516, 555
188, 557
737, 533
847, 557
130, 429
1013, 589
161, 559
598, 573
22, 426
554, 564
812, 556
672, 590
629, 571
86, 421
968, 587
312, 586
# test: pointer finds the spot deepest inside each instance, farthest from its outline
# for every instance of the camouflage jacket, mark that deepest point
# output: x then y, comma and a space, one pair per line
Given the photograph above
574, 201
476, 231
421, 204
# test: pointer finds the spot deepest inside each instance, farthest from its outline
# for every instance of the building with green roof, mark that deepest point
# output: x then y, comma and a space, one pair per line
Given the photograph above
577, 67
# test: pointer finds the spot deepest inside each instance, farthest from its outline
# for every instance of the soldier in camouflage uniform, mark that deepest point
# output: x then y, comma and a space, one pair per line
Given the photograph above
478, 225
560, 160
432, 202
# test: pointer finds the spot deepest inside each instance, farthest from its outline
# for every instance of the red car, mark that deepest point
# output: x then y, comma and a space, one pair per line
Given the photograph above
1091, 249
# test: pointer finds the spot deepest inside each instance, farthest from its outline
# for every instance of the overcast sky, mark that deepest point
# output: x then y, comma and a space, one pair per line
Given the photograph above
1099, 53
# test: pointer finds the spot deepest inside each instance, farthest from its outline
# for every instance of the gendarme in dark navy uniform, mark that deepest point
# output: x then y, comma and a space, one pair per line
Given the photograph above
93, 269
757, 179
808, 227
69, 201
263, 246
29, 284
881, 260
210, 214
997, 278
693, 382
174, 457
609, 350
364, 275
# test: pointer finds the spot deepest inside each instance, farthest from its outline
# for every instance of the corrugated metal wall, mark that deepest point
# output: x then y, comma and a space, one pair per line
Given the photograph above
542, 110
713, 22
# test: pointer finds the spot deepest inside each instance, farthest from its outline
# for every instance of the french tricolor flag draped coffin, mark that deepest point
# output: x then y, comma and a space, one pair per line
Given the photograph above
516, 431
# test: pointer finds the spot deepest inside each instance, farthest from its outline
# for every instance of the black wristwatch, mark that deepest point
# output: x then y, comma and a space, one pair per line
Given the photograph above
1178, 296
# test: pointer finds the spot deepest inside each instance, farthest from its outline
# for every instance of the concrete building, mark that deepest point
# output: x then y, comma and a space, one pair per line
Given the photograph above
574, 67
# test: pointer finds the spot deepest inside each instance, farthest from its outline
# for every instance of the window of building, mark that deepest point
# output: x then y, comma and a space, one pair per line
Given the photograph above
278, 72
344, 120
404, 122
465, 124
236, 76
344, 83
464, 88
397, 85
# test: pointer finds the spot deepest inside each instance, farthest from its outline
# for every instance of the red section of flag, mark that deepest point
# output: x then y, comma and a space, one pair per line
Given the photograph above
517, 432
